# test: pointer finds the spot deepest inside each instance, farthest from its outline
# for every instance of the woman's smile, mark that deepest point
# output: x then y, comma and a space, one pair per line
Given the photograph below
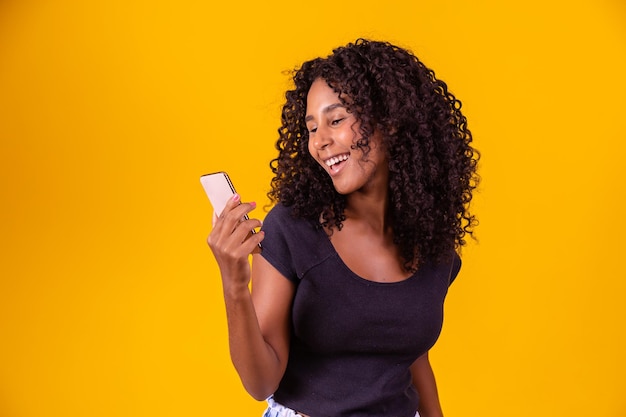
336, 163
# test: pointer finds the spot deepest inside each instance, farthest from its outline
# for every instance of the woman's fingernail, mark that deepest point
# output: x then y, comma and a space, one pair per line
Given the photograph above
253, 204
235, 197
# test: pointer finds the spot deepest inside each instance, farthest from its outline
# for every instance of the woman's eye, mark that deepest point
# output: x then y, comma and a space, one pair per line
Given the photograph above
337, 121
313, 130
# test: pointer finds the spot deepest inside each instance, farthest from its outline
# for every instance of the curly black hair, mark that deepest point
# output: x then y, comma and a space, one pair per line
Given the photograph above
432, 165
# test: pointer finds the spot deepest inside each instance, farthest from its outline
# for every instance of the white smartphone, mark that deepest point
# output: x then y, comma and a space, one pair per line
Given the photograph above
219, 188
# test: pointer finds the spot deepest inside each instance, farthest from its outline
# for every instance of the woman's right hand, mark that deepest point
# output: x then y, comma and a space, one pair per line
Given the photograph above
232, 241
258, 320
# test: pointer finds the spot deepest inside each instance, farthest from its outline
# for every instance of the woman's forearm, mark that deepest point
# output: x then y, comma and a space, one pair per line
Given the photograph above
424, 381
254, 359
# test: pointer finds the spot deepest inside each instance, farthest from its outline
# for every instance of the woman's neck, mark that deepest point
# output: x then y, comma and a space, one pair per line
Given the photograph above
369, 210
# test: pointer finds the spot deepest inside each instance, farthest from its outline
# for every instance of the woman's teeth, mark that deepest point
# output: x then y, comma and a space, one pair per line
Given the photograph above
336, 159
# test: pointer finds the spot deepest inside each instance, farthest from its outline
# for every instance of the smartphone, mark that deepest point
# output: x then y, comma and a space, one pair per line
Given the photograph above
219, 188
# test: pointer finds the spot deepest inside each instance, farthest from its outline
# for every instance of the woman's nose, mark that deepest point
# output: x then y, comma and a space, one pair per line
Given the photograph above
323, 138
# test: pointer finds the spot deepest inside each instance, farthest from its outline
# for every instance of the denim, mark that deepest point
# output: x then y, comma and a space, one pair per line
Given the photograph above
275, 409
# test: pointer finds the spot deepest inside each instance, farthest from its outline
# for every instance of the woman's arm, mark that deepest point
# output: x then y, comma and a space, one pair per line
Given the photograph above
258, 326
424, 381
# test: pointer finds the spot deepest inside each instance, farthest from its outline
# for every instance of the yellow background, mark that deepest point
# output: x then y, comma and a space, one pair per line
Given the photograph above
110, 302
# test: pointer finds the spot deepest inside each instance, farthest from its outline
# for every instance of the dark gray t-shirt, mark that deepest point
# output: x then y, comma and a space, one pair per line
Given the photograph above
353, 340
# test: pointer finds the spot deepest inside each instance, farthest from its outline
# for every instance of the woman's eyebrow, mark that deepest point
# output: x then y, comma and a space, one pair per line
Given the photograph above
326, 110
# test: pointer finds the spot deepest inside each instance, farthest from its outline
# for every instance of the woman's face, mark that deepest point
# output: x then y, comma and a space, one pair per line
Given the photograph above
333, 132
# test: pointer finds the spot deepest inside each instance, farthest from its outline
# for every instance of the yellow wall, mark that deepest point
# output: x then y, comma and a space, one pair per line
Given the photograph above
110, 302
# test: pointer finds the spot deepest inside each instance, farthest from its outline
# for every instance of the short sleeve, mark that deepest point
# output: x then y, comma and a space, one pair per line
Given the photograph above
455, 268
293, 245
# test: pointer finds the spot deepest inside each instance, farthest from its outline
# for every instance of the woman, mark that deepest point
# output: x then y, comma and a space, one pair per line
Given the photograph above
371, 187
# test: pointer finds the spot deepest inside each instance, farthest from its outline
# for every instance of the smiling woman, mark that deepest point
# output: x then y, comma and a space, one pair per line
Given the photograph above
109, 111
375, 158
385, 93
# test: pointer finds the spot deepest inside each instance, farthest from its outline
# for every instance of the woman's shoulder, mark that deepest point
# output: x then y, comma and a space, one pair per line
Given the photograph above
293, 245
281, 215
281, 222
279, 210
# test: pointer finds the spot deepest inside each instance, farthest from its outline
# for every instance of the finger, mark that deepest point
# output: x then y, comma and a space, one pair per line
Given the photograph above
237, 215
242, 242
244, 229
258, 248
253, 243
232, 202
